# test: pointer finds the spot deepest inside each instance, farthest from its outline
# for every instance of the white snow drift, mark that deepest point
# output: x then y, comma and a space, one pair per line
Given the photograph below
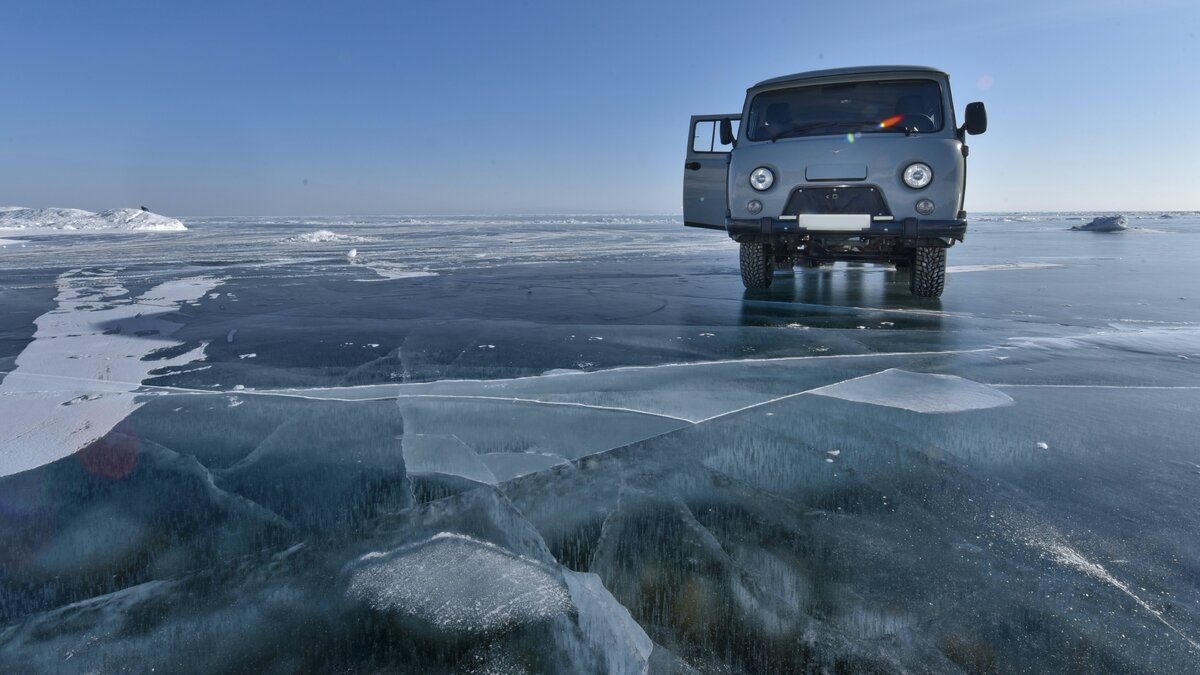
323, 237
56, 219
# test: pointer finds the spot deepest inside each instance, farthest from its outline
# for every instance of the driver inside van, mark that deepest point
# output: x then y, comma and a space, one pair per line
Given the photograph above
776, 120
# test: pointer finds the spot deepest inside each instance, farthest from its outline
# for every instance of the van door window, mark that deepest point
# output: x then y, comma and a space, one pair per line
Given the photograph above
706, 136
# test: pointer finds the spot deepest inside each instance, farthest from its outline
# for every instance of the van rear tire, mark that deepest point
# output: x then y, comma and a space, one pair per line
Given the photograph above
757, 265
927, 276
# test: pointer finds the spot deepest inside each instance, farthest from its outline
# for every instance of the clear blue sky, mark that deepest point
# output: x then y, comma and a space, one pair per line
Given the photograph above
198, 108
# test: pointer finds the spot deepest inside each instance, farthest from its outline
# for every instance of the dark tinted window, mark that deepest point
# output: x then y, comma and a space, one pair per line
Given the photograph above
866, 107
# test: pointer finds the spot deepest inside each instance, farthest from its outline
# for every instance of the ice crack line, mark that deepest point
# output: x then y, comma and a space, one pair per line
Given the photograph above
1068, 556
1093, 386
696, 423
298, 394
784, 398
508, 399
685, 364
396, 392
618, 369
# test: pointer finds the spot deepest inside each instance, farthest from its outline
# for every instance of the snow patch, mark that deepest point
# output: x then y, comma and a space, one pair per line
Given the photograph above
89, 355
1114, 223
458, 585
562, 371
395, 271
323, 237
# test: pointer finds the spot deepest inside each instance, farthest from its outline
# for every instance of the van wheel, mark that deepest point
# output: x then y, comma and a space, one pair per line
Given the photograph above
757, 269
928, 274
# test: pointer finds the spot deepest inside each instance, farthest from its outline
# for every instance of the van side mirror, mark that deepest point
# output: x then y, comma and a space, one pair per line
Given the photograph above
976, 122
727, 131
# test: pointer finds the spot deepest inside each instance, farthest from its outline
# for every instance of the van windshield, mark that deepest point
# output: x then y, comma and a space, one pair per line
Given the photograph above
910, 106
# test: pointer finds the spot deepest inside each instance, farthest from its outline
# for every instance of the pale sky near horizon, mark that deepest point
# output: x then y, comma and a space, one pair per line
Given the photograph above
223, 108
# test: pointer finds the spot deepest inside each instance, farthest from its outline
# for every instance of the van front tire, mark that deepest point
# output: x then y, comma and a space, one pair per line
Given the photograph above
927, 276
757, 265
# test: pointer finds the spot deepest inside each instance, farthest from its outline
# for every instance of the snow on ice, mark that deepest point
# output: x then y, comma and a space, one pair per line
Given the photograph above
77, 379
59, 219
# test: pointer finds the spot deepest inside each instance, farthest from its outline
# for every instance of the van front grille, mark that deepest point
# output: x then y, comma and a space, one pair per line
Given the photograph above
837, 200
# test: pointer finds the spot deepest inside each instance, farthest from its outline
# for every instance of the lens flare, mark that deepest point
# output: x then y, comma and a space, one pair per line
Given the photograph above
114, 456
891, 121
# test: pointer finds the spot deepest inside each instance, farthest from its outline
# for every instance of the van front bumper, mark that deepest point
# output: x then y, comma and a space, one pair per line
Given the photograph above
914, 229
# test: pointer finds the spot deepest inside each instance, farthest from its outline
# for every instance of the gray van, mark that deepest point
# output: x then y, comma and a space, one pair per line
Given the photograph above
856, 164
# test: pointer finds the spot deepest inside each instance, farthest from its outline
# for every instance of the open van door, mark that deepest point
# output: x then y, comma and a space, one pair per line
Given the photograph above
706, 171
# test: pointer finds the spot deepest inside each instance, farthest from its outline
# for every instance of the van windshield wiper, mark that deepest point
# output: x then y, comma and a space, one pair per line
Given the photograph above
837, 124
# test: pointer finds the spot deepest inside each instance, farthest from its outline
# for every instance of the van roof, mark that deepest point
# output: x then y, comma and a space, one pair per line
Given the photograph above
858, 70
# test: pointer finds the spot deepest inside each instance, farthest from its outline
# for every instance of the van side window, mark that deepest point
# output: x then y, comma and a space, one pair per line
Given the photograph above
706, 136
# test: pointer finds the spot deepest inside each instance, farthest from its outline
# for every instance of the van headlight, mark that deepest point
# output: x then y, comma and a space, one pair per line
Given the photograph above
762, 178
918, 175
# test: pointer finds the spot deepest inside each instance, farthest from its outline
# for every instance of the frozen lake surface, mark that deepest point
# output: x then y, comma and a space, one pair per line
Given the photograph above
577, 444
